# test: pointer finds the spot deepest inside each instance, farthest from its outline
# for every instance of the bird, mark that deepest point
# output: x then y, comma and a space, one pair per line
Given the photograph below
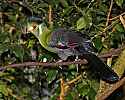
67, 43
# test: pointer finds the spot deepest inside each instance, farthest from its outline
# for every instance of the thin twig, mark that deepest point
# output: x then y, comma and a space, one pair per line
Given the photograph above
67, 85
113, 52
74, 80
111, 89
110, 9
50, 15
109, 26
77, 8
117, 16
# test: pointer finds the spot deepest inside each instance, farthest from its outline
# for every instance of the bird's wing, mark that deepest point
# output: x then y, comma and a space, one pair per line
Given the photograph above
64, 39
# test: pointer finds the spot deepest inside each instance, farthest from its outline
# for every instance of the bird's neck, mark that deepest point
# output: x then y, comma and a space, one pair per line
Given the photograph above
44, 37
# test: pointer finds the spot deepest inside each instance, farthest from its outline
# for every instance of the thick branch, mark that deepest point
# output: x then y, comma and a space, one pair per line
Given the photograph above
110, 90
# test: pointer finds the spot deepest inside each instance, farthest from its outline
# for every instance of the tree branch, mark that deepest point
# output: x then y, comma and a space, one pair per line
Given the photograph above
110, 9
111, 53
111, 89
43, 64
117, 16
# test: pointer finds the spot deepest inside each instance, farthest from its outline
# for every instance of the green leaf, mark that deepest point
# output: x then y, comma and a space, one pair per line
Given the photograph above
64, 3
92, 94
94, 84
51, 75
4, 37
98, 42
69, 97
119, 2
3, 89
81, 23
67, 11
119, 28
83, 88
4, 47
18, 51
84, 21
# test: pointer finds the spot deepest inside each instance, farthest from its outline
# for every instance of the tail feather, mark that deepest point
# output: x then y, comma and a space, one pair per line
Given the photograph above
104, 71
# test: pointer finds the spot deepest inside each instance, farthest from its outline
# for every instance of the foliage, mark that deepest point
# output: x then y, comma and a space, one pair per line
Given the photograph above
87, 16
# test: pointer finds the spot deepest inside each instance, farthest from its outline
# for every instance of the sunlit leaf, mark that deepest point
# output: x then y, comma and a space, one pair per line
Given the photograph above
84, 21
81, 23
3, 89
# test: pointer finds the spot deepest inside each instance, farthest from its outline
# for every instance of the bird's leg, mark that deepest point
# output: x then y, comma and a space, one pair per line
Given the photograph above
62, 69
77, 65
59, 65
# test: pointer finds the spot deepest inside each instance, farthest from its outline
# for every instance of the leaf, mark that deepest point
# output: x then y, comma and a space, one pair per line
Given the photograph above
94, 84
98, 43
119, 66
51, 75
67, 11
92, 94
64, 3
83, 88
4, 37
69, 97
81, 23
18, 51
119, 28
72, 69
4, 47
3, 89
84, 21
119, 2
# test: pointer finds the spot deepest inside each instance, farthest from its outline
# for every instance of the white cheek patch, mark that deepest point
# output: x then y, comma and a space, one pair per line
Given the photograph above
30, 29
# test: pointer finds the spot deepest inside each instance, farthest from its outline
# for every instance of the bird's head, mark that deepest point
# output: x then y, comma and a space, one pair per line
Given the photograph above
33, 25
40, 30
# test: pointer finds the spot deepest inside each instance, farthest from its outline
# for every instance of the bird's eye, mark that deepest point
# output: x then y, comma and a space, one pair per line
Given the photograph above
32, 27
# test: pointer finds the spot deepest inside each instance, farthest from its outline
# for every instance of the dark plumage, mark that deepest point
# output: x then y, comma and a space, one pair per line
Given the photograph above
71, 43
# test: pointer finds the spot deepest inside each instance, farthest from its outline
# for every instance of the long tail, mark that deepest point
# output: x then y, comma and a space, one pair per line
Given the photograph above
103, 70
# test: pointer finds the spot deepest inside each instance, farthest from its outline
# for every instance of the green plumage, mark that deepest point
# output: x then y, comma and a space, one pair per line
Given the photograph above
42, 33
